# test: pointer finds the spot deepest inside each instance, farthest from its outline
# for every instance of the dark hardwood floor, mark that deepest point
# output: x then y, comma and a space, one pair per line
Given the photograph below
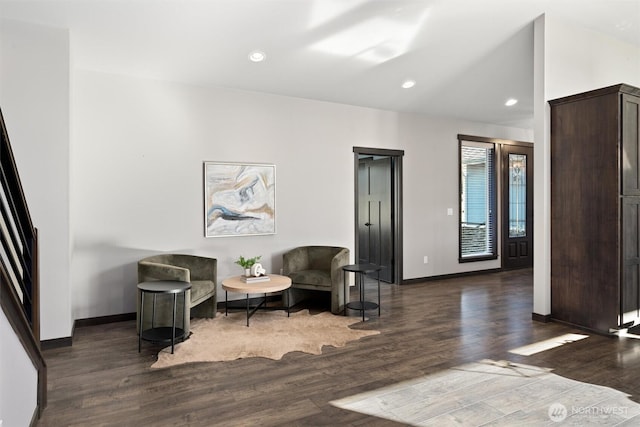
425, 328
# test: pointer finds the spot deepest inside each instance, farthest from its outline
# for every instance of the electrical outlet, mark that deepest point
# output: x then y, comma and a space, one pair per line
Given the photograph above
450, 211
426, 259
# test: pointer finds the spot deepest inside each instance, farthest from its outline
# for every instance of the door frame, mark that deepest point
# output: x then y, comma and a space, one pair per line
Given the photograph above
499, 147
396, 203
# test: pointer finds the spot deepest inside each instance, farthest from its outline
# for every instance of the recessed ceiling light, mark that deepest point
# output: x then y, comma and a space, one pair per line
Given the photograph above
510, 102
257, 56
407, 84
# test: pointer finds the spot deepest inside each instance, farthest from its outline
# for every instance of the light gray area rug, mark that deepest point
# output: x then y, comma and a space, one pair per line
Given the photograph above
496, 393
271, 334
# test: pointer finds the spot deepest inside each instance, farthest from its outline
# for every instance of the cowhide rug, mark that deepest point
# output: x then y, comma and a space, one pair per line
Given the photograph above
271, 334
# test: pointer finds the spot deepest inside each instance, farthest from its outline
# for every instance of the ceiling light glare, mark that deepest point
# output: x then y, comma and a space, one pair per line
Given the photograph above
257, 56
511, 102
408, 84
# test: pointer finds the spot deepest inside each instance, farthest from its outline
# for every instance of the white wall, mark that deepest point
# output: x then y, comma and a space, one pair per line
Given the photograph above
541, 177
34, 97
580, 60
18, 379
137, 153
571, 60
135, 165
138, 148
431, 187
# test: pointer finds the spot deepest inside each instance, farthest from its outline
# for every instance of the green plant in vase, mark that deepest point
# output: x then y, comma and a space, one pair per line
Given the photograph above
247, 263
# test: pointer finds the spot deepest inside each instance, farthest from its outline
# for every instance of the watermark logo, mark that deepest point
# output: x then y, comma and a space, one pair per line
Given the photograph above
557, 412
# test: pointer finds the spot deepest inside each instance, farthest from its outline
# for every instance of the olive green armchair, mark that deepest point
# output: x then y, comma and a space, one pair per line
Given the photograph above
313, 269
201, 272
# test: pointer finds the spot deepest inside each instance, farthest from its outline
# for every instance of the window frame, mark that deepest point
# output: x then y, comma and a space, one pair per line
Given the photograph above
492, 201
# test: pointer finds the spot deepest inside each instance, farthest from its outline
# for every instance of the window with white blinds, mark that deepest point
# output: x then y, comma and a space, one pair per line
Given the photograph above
478, 201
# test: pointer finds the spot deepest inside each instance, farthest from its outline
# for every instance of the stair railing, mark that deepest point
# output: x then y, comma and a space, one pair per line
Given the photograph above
19, 280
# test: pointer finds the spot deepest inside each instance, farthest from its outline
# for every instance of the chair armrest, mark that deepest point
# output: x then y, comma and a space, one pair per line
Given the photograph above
201, 268
296, 259
337, 262
155, 271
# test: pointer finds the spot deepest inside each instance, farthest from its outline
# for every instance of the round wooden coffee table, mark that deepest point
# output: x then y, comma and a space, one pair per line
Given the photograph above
276, 283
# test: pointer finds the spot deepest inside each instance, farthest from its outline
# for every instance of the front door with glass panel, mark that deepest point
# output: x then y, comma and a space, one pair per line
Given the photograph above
517, 206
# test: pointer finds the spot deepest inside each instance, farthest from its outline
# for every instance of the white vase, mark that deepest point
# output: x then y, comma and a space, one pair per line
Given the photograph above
247, 272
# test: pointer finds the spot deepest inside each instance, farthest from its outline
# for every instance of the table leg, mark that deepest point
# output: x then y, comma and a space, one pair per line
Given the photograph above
288, 302
173, 323
344, 291
226, 304
153, 312
362, 294
140, 320
247, 310
378, 293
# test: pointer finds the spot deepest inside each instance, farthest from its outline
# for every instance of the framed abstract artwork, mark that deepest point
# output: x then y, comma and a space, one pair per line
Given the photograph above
239, 199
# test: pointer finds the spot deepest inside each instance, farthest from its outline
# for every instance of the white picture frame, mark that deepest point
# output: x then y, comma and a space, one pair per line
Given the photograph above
239, 199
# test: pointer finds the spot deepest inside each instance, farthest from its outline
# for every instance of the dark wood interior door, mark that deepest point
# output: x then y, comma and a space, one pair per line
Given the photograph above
375, 222
517, 206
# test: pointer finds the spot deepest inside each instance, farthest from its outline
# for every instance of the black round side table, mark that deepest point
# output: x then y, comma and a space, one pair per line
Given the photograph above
162, 334
360, 271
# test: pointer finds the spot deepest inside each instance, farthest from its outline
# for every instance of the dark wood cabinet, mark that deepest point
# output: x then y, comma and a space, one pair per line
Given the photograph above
595, 208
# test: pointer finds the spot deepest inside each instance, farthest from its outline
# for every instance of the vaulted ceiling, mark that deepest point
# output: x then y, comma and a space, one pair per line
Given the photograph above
466, 57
